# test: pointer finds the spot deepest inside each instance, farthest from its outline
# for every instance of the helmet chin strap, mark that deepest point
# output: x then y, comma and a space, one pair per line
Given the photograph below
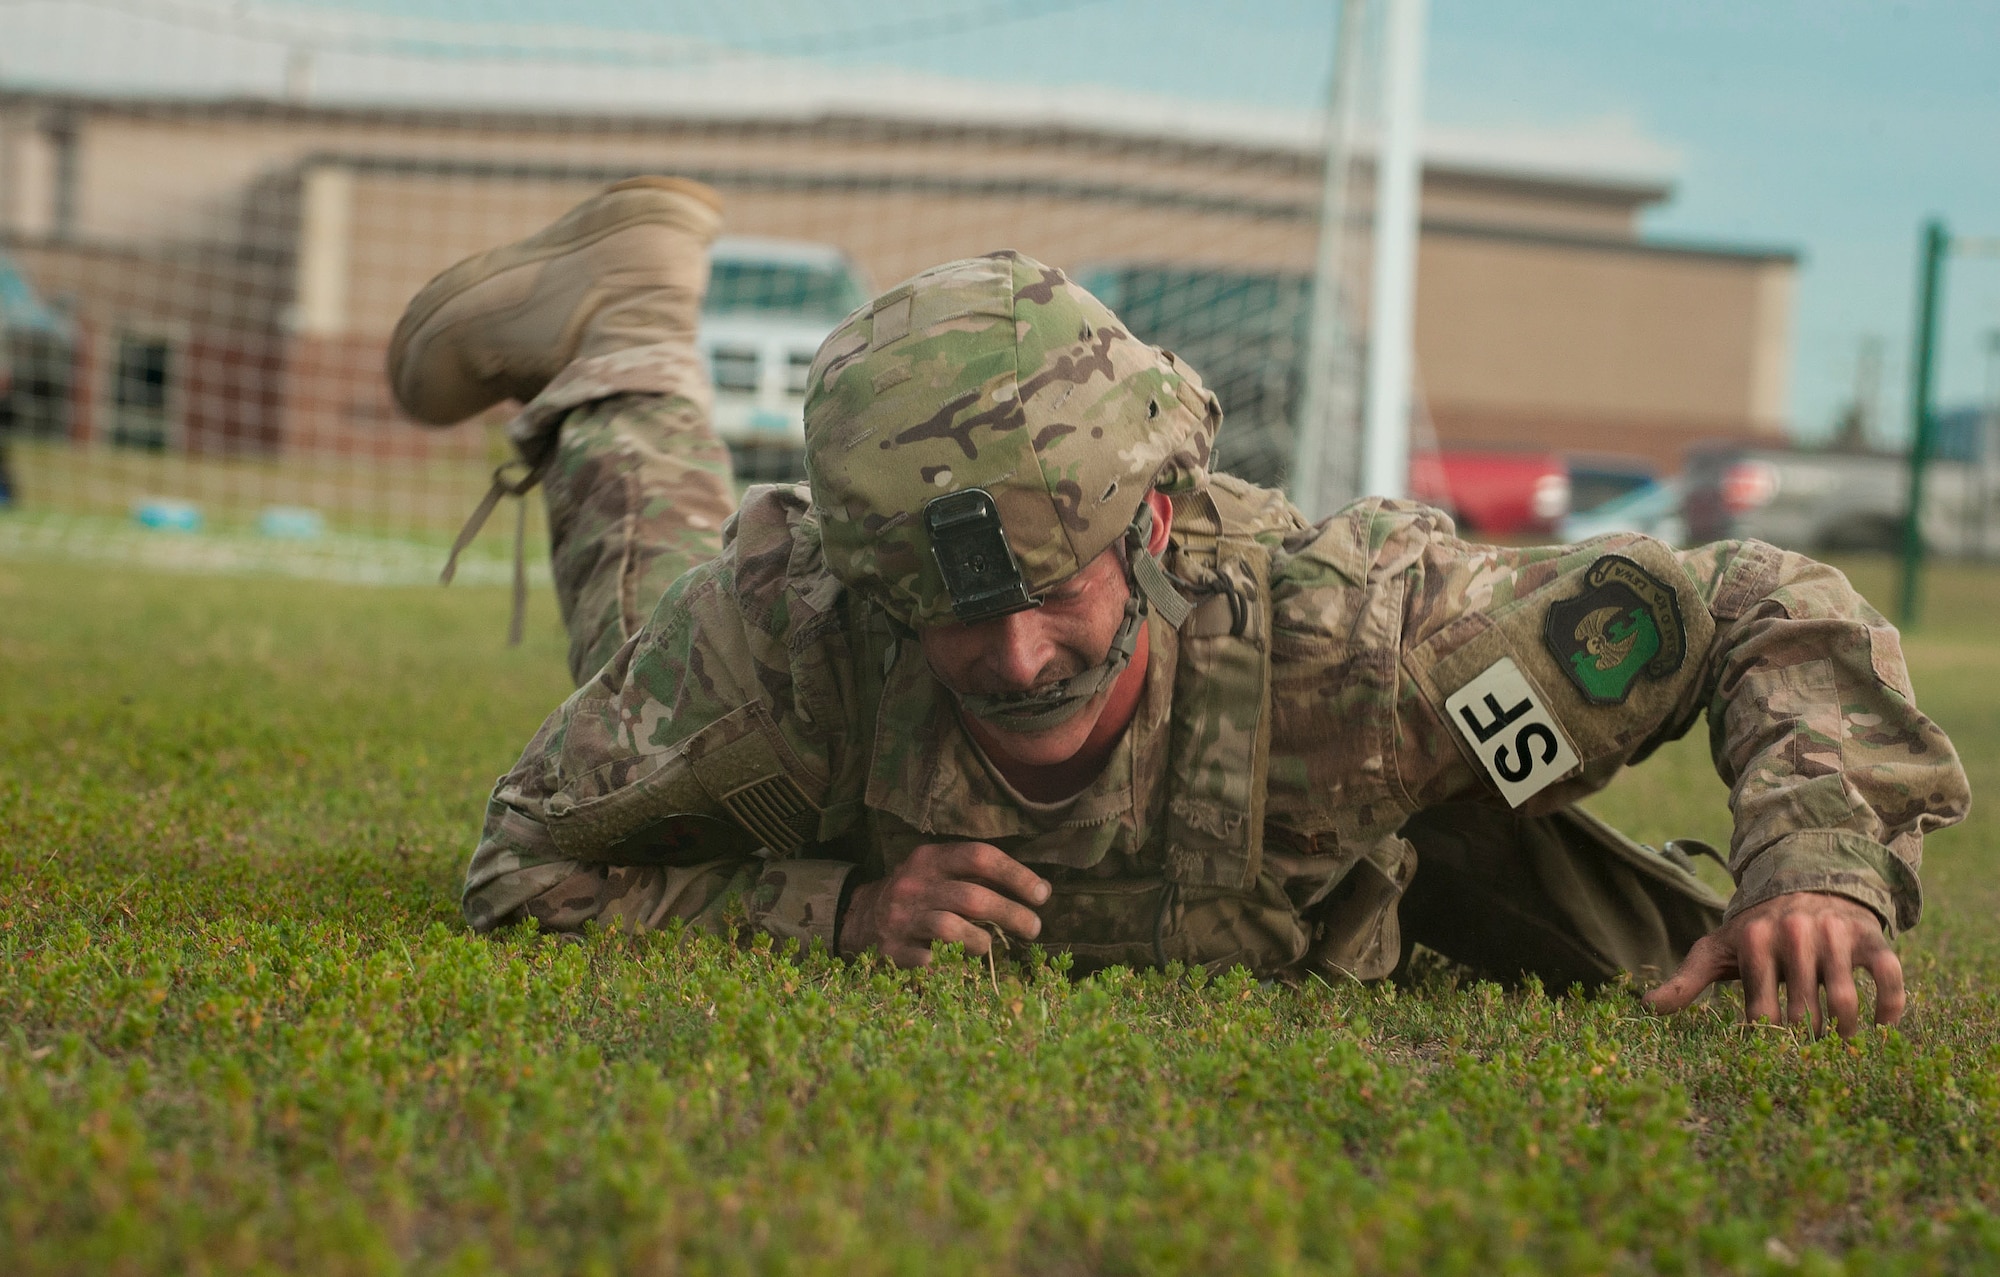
1046, 707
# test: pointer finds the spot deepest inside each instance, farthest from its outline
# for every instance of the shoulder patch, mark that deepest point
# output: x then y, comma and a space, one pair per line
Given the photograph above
1516, 738
1625, 623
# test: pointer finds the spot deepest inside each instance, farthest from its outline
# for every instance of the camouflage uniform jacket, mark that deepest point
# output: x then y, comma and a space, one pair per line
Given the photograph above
767, 739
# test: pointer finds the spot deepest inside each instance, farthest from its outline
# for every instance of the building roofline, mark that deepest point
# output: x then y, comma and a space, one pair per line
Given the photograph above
1452, 156
770, 178
1642, 247
1152, 196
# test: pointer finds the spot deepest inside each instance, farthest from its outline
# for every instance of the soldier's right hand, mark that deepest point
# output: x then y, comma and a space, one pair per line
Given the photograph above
944, 891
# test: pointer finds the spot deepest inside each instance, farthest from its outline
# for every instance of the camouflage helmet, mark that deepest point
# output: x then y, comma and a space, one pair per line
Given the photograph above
999, 376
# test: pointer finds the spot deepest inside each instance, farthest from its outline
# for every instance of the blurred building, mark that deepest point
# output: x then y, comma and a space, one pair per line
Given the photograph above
233, 268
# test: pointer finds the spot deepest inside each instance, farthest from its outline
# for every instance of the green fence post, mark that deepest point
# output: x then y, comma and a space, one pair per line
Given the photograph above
1923, 428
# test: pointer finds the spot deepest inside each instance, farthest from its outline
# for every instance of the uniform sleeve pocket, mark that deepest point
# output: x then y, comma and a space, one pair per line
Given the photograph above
737, 769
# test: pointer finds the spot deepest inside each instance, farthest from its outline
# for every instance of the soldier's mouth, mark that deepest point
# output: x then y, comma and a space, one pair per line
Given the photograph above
1041, 692
1039, 710
1060, 700
1030, 718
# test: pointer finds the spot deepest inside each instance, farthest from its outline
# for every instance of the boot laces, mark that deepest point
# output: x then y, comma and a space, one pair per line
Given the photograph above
504, 486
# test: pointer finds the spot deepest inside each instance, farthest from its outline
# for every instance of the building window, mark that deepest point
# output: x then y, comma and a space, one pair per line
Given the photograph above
735, 369
141, 390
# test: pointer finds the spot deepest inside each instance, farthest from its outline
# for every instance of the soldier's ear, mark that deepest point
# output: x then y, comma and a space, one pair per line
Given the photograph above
1163, 520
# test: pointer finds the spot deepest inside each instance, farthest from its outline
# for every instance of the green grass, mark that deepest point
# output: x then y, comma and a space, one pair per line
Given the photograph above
387, 521
408, 498
243, 1029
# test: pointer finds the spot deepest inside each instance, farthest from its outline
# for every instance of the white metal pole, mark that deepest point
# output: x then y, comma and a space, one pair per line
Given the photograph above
1385, 444
1326, 448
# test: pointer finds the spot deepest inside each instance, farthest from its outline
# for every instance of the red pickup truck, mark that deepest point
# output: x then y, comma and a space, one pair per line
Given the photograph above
1494, 492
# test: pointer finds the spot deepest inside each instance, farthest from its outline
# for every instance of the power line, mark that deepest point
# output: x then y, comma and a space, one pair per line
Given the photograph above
360, 32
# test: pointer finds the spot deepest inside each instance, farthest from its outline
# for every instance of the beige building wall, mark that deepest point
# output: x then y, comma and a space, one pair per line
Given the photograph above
406, 228
1517, 333
1542, 320
152, 172
27, 174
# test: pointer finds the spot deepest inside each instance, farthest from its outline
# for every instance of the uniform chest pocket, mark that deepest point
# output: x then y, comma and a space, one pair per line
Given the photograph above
1105, 922
1218, 928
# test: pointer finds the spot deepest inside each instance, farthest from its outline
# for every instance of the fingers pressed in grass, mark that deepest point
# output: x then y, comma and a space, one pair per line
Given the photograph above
1887, 970
1758, 961
1798, 950
1836, 973
1708, 962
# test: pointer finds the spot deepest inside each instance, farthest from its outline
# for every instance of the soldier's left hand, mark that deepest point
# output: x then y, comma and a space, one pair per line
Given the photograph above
1807, 941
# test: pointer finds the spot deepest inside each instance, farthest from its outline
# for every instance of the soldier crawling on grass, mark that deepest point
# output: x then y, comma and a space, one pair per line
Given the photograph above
1016, 663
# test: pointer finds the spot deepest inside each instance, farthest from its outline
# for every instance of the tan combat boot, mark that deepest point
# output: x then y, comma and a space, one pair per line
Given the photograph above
627, 267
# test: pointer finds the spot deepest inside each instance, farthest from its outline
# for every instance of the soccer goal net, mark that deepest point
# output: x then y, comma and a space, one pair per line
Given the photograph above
213, 212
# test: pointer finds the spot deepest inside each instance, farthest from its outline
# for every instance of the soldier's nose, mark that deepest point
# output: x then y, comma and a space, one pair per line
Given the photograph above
1021, 649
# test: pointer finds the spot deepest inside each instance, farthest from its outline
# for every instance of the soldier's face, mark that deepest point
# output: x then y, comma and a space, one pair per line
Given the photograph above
1024, 651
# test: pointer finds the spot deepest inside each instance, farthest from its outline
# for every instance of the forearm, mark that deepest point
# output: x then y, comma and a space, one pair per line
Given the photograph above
1835, 775
518, 873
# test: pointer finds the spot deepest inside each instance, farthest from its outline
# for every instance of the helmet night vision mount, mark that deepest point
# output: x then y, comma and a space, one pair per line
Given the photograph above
979, 570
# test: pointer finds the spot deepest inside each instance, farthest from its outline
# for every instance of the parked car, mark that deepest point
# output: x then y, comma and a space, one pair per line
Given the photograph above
1597, 479
38, 344
1494, 493
770, 304
1653, 508
1817, 500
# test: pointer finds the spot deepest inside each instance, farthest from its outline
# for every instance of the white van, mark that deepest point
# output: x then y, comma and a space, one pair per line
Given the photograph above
771, 302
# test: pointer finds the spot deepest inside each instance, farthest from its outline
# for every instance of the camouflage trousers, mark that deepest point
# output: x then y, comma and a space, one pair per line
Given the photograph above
639, 489
637, 492
1564, 897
